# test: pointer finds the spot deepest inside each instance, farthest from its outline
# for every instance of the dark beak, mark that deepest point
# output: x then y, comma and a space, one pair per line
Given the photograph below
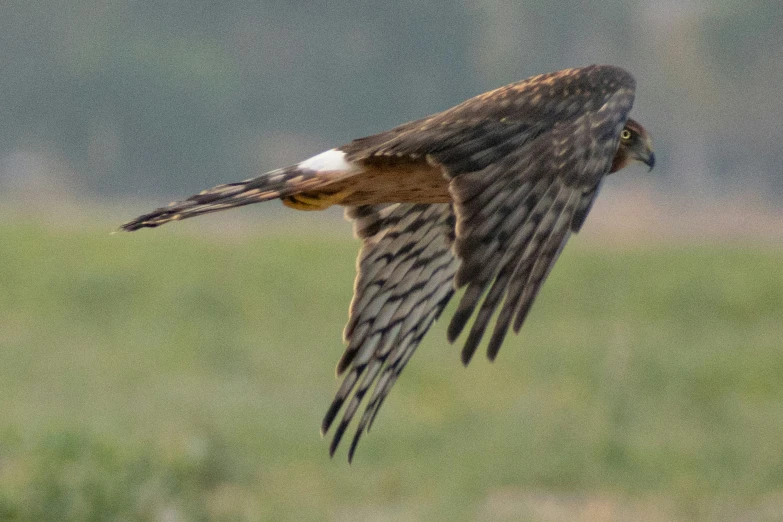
643, 152
649, 160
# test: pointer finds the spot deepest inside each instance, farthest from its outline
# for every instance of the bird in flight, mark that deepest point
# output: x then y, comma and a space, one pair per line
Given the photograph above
482, 196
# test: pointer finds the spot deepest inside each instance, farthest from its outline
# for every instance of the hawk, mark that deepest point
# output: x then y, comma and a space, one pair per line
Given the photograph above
482, 196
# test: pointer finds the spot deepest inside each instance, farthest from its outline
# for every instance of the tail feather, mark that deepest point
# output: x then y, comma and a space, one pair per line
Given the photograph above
272, 185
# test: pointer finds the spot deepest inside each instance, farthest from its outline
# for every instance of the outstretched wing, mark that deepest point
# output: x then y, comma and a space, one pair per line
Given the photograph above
515, 215
525, 163
404, 280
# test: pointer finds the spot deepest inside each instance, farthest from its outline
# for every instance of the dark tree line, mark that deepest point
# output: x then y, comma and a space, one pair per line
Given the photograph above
147, 97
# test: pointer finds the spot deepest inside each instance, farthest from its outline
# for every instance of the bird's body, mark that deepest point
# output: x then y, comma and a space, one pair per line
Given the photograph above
384, 181
483, 195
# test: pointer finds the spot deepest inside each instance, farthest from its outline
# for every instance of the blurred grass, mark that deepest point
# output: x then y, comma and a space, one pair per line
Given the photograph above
160, 376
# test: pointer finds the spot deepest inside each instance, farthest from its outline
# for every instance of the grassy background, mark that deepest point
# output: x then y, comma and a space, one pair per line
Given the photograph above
166, 376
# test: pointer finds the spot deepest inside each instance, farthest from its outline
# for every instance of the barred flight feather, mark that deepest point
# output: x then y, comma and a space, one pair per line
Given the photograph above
405, 268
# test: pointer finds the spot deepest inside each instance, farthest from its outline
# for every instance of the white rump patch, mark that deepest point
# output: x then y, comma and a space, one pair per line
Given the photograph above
332, 160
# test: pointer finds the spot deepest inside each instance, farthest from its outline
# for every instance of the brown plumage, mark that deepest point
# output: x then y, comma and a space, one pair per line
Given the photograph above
482, 196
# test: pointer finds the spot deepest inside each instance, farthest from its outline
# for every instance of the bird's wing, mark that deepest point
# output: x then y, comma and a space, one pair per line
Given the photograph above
404, 280
515, 216
525, 163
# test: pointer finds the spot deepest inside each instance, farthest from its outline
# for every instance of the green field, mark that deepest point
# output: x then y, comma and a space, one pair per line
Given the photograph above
164, 375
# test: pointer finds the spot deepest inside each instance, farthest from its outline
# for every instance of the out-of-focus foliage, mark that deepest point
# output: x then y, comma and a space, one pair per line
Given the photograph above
115, 97
166, 377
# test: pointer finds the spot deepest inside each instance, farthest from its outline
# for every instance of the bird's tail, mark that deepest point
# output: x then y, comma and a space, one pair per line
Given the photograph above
282, 183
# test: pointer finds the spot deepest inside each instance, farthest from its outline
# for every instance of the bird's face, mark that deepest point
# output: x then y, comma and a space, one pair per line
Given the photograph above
635, 145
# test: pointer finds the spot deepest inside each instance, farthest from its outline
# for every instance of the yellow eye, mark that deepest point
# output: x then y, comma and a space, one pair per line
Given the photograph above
625, 135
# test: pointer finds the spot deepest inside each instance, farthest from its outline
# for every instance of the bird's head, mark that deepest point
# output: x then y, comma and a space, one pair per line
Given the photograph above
635, 145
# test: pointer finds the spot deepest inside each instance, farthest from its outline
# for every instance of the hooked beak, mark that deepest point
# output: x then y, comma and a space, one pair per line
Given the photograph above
649, 160
644, 153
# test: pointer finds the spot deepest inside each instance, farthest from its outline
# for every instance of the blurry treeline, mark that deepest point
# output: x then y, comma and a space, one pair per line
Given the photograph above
141, 98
